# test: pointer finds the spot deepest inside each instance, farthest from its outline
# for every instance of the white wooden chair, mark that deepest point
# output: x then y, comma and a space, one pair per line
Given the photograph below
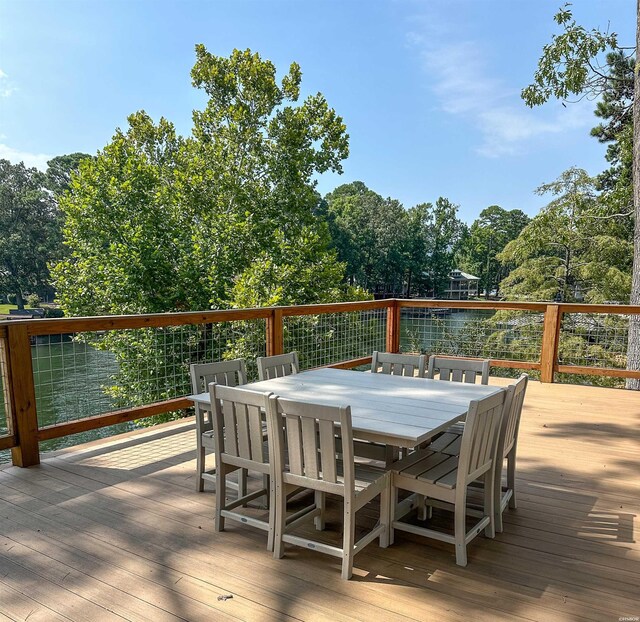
443, 477
458, 369
230, 373
240, 444
450, 442
278, 365
398, 364
310, 431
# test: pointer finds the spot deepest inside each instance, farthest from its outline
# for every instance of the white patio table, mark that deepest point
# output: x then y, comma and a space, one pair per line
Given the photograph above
395, 410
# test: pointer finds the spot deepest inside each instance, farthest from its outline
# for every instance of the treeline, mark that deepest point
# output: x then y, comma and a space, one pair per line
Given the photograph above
390, 250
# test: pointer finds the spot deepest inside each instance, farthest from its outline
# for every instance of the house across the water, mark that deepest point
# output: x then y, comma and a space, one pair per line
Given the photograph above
462, 286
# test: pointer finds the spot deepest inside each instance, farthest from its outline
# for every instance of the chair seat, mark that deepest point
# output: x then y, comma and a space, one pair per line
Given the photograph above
449, 442
432, 467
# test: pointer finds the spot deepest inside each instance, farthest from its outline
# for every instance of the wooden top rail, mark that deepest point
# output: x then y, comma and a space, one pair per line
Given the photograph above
59, 326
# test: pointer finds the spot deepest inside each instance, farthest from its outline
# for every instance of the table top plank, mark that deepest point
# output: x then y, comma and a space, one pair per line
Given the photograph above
396, 410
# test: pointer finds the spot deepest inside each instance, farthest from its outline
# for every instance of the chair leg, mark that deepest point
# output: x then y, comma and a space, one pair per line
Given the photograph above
280, 508
489, 503
200, 466
221, 496
385, 512
319, 498
242, 484
422, 508
460, 520
497, 500
393, 507
266, 484
348, 539
511, 479
272, 505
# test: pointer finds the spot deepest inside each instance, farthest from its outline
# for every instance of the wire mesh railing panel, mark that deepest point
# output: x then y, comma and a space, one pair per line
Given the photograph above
504, 334
4, 390
334, 337
595, 340
84, 374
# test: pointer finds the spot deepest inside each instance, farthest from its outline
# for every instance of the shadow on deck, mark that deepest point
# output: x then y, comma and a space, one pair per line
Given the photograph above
115, 529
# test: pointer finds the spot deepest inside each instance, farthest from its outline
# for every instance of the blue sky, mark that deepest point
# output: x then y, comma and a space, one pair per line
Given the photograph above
429, 91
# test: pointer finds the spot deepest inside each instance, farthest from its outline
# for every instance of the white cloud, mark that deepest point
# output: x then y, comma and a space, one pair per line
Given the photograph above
37, 160
6, 87
464, 87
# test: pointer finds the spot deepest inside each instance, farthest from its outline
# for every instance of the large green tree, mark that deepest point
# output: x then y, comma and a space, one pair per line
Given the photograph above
575, 249
223, 218
570, 65
488, 236
158, 222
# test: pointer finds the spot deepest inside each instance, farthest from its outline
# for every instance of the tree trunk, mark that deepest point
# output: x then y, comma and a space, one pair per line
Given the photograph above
19, 299
633, 350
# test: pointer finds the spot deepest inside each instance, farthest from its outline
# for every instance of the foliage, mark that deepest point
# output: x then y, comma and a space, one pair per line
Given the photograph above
568, 65
33, 300
29, 229
575, 249
389, 249
224, 218
488, 236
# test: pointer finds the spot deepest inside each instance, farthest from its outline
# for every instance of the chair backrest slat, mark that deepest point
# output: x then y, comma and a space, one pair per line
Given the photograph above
480, 437
294, 444
311, 431
310, 447
458, 369
238, 416
327, 450
398, 364
277, 366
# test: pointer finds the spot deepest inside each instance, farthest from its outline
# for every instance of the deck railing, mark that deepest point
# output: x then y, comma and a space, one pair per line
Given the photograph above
70, 362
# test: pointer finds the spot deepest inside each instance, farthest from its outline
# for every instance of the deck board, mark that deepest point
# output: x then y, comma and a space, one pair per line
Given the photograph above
115, 530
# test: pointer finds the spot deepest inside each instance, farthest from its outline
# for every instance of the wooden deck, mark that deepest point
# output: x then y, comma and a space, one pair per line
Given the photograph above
115, 530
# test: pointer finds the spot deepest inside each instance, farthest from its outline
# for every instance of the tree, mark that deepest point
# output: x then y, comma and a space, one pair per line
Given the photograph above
447, 233
489, 234
224, 218
61, 168
368, 233
574, 250
29, 230
569, 66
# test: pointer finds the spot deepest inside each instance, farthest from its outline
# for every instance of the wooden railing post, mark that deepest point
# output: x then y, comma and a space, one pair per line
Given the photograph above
393, 326
275, 335
22, 397
550, 340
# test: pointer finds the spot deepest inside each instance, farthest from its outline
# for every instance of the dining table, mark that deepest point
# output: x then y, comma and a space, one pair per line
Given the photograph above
400, 411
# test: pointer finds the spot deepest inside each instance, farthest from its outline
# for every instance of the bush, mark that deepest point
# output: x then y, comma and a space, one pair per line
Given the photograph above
53, 312
33, 300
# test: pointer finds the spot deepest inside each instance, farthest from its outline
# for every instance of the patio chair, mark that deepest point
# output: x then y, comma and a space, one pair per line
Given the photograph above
310, 431
440, 476
449, 443
398, 364
458, 369
240, 444
278, 365
230, 373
